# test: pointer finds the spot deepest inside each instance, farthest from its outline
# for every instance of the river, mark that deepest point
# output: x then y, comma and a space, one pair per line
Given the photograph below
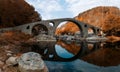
83, 56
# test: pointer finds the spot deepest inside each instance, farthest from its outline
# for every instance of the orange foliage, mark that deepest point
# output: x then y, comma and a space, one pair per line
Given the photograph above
16, 12
113, 38
69, 27
106, 18
13, 37
104, 57
72, 48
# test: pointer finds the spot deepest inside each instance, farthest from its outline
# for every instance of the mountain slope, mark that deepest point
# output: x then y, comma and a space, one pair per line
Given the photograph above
107, 18
16, 12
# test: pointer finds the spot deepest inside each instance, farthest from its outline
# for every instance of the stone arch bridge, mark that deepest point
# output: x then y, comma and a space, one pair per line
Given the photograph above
51, 25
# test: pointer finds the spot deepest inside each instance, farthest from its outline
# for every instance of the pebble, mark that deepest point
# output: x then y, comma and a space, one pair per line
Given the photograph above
1, 70
11, 61
9, 51
1, 64
9, 54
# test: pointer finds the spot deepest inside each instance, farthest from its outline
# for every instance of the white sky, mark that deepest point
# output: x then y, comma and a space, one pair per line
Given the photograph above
51, 9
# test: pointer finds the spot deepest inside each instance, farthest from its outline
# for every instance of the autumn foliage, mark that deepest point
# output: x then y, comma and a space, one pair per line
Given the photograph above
107, 18
16, 12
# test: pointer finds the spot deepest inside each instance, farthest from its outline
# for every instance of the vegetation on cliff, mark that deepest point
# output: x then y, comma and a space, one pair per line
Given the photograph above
16, 12
106, 18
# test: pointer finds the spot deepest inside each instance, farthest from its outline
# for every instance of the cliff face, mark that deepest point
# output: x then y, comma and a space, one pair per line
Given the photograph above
106, 18
16, 12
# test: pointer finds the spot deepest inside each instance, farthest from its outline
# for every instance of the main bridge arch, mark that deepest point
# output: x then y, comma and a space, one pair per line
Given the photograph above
51, 25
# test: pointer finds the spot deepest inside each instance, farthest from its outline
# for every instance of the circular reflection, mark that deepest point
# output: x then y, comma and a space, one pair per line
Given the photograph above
62, 52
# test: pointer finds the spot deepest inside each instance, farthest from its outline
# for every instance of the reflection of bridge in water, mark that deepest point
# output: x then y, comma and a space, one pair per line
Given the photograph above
48, 51
47, 28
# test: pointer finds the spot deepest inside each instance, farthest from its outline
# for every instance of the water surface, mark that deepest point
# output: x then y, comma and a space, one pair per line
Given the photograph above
80, 57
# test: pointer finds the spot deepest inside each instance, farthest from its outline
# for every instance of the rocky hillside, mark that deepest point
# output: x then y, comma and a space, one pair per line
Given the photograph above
16, 12
13, 13
106, 18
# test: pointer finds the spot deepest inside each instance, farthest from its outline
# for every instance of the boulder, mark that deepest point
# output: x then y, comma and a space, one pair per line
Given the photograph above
31, 62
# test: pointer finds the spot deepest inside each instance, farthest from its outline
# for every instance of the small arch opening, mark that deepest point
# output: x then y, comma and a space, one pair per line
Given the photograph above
51, 24
28, 27
98, 30
85, 25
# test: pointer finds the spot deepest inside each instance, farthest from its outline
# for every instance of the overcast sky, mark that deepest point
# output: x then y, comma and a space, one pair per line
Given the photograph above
50, 9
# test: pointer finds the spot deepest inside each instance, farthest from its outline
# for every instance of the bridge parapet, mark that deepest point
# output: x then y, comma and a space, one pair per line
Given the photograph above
51, 26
